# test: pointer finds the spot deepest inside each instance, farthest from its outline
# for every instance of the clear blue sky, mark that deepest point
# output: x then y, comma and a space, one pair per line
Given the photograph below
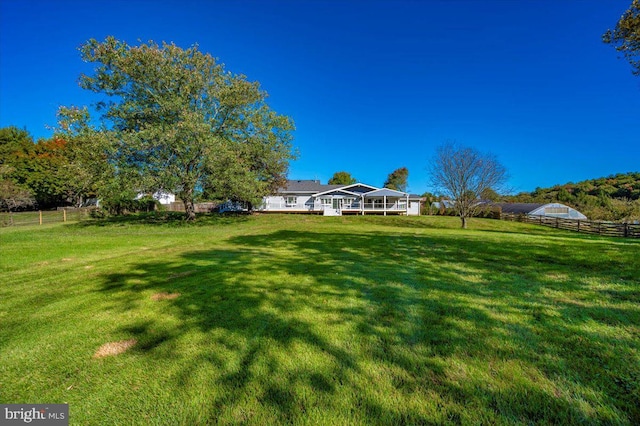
371, 85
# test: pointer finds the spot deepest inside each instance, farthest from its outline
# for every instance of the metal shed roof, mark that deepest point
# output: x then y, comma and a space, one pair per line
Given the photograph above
518, 208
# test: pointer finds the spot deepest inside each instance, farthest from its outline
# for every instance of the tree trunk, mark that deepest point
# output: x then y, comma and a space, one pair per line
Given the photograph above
190, 210
464, 222
189, 207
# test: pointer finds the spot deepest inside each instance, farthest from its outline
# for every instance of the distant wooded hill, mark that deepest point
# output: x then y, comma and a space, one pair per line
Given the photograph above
615, 197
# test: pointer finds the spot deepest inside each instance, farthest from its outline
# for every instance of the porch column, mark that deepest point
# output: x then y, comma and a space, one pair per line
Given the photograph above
406, 212
384, 198
362, 204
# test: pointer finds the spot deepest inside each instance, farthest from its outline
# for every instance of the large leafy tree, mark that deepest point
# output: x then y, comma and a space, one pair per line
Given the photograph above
463, 174
342, 178
626, 36
397, 179
180, 122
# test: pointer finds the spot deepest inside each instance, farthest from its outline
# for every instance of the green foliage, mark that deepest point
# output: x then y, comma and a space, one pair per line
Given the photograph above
125, 205
89, 153
14, 142
342, 178
397, 179
43, 169
15, 145
12, 195
625, 37
616, 197
179, 122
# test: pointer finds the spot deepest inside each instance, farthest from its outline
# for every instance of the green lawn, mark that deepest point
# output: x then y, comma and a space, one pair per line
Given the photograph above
318, 320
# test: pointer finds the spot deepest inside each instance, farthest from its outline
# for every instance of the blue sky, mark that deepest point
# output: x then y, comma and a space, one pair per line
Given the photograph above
371, 85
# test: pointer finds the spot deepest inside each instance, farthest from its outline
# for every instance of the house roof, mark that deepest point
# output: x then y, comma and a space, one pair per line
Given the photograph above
315, 188
310, 186
386, 192
336, 192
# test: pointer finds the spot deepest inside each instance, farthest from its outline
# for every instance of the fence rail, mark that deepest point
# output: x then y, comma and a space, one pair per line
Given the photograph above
609, 229
44, 217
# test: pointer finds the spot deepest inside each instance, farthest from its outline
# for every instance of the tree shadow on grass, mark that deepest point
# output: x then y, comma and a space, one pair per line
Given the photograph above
163, 218
298, 320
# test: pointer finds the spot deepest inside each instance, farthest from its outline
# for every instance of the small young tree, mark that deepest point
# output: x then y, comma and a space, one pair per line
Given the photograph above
397, 179
463, 174
342, 178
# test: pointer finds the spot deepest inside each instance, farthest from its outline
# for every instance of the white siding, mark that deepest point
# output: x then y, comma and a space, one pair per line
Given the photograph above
414, 208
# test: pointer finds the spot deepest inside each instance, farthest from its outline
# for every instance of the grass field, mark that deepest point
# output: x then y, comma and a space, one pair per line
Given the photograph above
314, 320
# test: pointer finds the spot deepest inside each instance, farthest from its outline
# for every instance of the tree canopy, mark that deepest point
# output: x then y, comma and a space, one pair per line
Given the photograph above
177, 121
342, 178
42, 169
625, 37
463, 174
397, 179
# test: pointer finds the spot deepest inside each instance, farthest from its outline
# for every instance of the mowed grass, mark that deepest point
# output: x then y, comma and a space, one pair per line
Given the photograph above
314, 320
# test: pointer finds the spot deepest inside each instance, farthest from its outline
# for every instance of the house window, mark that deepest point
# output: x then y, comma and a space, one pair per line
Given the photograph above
326, 201
291, 201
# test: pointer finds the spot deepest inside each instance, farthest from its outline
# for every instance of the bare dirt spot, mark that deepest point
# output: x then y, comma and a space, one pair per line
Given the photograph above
114, 348
165, 296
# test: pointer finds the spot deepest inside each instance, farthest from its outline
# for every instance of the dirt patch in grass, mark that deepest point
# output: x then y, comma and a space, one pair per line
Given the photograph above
165, 296
114, 348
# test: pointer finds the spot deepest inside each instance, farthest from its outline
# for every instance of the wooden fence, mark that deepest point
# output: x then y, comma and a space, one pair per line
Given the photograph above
74, 215
609, 229
44, 217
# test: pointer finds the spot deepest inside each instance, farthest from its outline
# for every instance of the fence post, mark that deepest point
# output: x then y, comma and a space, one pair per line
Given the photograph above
626, 229
64, 215
40, 214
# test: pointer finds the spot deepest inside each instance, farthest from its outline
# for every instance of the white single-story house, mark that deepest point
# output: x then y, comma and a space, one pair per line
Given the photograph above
538, 209
310, 196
